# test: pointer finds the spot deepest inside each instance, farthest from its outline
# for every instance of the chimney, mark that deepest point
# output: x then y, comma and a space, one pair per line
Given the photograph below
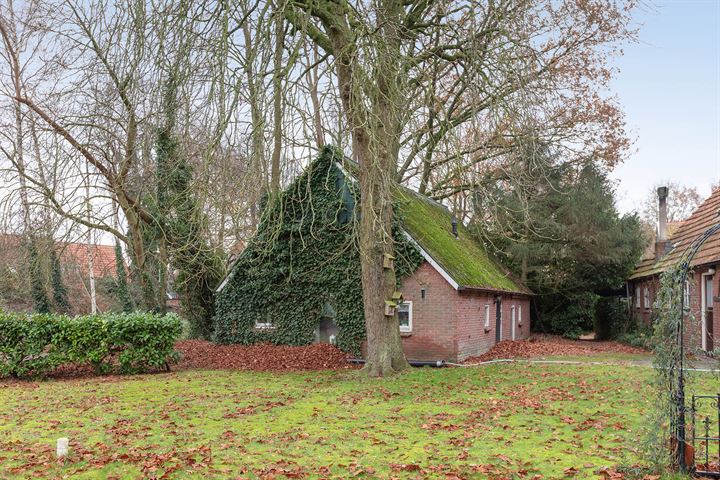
662, 245
454, 224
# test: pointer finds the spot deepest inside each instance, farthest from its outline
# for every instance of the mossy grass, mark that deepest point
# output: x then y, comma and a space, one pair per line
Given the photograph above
508, 418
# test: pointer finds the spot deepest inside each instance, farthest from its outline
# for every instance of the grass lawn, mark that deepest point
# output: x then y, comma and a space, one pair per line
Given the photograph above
499, 421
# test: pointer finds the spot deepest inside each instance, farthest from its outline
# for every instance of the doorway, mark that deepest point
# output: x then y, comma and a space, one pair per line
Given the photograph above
498, 319
327, 330
706, 324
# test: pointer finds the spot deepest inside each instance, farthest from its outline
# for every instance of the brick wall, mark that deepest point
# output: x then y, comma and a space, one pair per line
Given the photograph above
693, 338
433, 329
716, 308
450, 325
641, 313
473, 336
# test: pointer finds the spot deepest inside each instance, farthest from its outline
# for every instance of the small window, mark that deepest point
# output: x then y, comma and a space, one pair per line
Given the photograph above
487, 316
686, 295
637, 297
404, 313
519, 315
709, 291
646, 297
264, 325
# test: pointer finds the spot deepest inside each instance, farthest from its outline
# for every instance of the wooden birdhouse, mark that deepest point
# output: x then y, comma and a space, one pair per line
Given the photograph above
397, 297
388, 261
390, 307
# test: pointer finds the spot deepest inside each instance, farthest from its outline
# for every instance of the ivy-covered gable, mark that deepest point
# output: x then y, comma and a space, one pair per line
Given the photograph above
303, 257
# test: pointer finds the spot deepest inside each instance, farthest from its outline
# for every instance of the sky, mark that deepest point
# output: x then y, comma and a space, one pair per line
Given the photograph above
669, 86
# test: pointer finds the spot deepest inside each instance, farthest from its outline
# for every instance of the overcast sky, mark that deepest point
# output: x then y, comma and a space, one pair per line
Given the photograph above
669, 87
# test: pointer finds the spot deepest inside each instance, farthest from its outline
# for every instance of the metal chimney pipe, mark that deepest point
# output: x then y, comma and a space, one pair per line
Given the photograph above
662, 214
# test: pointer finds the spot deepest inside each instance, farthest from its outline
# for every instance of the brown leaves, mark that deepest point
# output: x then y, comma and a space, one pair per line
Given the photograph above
550, 346
263, 357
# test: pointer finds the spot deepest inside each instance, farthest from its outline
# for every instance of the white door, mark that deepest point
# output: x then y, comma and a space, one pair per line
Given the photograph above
706, 305
512, 321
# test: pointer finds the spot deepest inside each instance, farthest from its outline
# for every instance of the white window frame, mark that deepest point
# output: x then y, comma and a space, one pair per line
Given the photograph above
703, 308
519, 319
686, 294
513, 319
408, 328
646, 297
637, 296
487, 315
264, 325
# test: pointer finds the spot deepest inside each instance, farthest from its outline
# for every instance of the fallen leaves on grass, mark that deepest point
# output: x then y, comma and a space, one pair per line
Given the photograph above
551, 346
263, 357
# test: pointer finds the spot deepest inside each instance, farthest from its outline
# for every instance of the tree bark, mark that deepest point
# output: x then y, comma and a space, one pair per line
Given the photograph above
375, 137
277, 105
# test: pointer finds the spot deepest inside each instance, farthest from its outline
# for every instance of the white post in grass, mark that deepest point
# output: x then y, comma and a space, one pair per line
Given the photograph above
62, 447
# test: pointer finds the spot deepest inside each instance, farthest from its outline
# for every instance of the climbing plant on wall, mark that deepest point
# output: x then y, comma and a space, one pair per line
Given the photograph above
303, 256
41, 303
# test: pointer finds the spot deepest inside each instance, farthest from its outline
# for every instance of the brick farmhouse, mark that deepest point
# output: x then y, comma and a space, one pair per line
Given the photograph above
702, 291
458, 303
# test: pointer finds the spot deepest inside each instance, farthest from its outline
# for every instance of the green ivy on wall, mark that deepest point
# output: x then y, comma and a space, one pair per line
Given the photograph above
304, 256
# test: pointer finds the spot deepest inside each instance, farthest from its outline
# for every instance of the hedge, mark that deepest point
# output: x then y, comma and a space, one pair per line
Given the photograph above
34, 344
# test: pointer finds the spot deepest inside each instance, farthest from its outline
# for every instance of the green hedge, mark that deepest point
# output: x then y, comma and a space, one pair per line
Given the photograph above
32, 345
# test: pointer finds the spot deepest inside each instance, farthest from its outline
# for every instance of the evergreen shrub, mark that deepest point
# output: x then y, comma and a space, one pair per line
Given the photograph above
612, 318
34, 344
574, 318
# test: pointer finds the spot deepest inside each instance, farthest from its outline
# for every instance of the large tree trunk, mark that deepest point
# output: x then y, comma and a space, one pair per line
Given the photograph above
375, 145
384, 346
277, 105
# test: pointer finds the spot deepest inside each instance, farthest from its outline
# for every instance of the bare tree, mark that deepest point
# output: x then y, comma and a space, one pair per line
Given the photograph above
682, 202
420, 83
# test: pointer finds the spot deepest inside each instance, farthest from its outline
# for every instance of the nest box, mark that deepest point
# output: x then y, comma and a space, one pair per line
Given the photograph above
390, 307
388, 261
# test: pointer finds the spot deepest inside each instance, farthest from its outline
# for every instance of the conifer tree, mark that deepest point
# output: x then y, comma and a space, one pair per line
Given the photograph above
60, 293
41, 304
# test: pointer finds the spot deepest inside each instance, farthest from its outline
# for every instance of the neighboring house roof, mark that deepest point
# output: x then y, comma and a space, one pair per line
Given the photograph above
704, 217
73, 253
77, 253
463, 259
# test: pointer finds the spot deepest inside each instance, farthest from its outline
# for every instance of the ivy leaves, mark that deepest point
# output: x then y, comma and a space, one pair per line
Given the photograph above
304, 256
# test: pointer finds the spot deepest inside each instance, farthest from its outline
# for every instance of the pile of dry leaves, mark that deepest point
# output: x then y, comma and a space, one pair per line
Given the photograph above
549, 345
264, 357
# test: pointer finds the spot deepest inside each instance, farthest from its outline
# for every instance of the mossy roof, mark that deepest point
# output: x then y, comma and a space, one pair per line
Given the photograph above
463, 258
